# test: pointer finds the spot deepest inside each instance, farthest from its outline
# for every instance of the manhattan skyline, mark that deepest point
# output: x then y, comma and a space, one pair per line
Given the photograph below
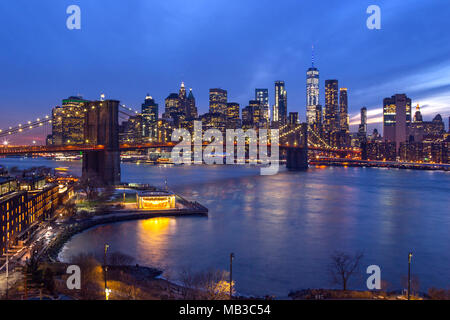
234, 46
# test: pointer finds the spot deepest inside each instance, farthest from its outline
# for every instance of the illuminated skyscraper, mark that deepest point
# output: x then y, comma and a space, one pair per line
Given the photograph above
256, 112
233, 119
418, 115
362, 129
331, 114
319, 119
396, 118
247, 117
172, 106
363, 124
312, 93
182, 100
132, 130
293, 118
343, 110
150, 111
68, 122
191, 109
262, 95
218, 101
280, 107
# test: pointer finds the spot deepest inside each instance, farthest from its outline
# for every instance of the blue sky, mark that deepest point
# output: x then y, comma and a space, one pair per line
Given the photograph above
127, 49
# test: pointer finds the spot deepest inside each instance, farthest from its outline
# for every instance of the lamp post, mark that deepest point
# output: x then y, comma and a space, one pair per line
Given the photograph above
231, 275
409, 274
105, 269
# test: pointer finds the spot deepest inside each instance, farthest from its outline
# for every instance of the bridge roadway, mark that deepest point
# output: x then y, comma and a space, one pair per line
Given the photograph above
378, 163
22, 150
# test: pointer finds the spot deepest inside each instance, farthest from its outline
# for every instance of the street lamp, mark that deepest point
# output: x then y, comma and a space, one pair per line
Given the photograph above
231, 275
409, 274
107, 291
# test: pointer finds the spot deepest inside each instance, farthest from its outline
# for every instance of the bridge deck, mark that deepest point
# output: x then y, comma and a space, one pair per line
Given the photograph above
22, 150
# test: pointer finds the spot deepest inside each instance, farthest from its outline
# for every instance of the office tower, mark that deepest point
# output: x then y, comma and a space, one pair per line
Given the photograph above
375, 136
436, 127
280, 107
256, 112
172, 106
57, 125
149, 110
426, 131
343, 110
68, 121
214, 120
363, 124
331, 106
190, 105
293, 118
132, 130
362, 130
319, 119
396, 118
218, 101
233, 120
331, 114
182, 99
247, 117
165, 128
262, 95
312, 93
416, 130
418, 115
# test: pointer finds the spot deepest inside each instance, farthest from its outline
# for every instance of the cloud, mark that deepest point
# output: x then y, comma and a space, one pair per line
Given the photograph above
430, 88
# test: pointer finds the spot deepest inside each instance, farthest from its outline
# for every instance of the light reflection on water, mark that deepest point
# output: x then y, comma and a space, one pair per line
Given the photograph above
283, 228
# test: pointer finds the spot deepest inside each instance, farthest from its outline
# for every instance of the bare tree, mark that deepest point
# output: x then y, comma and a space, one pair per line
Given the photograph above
89, 184
190, 285
343, 266
69, 208
415, 283
207, 285
91, 276
439, 294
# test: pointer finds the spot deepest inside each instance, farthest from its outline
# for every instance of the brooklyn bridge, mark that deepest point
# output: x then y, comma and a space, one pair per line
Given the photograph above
102, 147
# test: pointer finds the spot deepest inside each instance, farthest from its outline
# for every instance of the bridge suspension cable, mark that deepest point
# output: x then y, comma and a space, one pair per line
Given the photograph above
297, 128
39, 122
311, 130
128, 109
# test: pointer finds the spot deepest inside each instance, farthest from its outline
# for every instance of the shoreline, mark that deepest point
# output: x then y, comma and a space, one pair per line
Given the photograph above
54, 248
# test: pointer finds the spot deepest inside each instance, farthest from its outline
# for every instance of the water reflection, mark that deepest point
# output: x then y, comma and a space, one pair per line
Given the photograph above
283, 228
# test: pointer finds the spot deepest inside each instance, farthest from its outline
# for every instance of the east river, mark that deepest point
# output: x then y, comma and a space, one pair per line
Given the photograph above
283, 228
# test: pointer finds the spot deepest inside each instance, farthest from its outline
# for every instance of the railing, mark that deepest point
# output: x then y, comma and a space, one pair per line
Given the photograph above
6, 150
18, 150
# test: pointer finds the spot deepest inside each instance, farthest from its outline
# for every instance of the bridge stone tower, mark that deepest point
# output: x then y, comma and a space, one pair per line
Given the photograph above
102, 128
297, 151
